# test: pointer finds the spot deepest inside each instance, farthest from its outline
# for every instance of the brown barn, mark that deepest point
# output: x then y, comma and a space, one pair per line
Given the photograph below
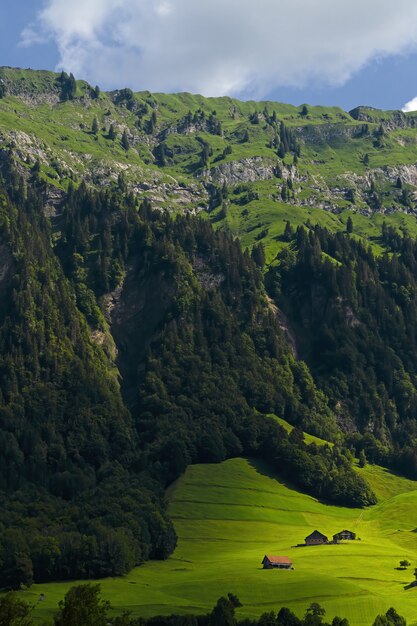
344, 535
316, 539
276, 562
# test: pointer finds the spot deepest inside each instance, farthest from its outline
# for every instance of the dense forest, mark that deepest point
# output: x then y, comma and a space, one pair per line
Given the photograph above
84, 606
355, 315
134, 342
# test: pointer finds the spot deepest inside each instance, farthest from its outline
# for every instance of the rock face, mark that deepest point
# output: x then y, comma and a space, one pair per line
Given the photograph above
135, 312
325, 133
407, 173
395, 119
244, 171
178, 196
206, 277
41, 89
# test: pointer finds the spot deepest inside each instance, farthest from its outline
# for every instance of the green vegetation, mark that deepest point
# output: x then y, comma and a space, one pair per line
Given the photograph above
137, 339
306, 436
200, 359
229, 515
295, 161
354, 321
83, 605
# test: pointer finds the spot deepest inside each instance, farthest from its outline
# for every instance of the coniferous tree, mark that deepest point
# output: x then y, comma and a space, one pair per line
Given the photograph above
125, 141
288, 232
112, 132
258, 255
349, 225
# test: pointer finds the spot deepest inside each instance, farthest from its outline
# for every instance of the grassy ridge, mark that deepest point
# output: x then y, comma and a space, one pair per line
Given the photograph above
331, 161
229, 515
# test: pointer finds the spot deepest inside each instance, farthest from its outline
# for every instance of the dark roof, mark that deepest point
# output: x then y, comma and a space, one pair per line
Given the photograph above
345, 531
284, 560
316, 535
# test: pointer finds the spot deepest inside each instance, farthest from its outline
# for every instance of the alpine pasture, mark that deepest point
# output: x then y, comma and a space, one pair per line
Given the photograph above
228, 516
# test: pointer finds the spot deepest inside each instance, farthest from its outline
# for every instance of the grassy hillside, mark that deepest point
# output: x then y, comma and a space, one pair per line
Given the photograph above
307, 437
182, 150
229, 515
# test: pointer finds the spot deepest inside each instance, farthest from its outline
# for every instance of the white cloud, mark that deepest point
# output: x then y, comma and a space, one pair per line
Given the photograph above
218, 47
410, 106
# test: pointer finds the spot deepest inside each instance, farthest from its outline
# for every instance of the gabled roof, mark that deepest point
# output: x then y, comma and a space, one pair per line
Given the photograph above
316, 535
282, 560
346, 531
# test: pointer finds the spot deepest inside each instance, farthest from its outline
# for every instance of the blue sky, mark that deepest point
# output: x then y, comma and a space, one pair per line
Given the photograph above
14, 17
118, 43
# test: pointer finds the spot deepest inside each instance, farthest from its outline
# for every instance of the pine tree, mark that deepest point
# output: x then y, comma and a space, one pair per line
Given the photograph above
349, 225
94, 126
112, 132
288, 231
258, 255
72, 87
125, 141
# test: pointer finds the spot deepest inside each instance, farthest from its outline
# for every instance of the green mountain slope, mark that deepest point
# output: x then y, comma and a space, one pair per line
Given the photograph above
178, 311
229, 515
281, 162
139, 335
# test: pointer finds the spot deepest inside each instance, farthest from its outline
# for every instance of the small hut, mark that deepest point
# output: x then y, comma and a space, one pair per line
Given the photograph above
344, 535
316, 539
276, 562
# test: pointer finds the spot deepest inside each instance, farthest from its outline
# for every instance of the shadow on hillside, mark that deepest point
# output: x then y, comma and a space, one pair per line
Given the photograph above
263, 468
411, 585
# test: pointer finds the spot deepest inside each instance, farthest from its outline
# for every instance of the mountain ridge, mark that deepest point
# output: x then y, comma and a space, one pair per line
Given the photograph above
154, 241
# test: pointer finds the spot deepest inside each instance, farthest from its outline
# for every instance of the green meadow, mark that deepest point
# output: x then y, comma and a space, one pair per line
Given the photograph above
229, 515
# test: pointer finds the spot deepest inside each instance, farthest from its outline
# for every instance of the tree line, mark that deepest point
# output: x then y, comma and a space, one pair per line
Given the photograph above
84, 606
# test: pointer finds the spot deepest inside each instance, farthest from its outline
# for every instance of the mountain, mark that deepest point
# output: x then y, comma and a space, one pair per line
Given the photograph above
172, 270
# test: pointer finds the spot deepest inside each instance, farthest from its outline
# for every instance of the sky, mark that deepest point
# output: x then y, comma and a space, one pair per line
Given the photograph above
361, 52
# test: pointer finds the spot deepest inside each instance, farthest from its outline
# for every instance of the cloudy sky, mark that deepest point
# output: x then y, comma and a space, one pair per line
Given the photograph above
316, 51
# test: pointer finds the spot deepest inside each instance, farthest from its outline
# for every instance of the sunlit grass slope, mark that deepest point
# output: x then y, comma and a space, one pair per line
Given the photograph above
229, 515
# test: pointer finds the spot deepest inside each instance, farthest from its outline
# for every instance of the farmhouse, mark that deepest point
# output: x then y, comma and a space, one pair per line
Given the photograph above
276, 562
316, 539
344, 535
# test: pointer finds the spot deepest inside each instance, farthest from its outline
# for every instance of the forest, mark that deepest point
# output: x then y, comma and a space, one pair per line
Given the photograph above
100, 411
355, 319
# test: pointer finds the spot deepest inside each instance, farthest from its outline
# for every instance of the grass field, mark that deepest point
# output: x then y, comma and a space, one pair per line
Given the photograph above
307, 437
229, 515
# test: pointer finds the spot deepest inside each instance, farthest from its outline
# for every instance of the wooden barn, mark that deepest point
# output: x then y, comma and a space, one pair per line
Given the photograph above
316, 539
276, 562
344, 535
